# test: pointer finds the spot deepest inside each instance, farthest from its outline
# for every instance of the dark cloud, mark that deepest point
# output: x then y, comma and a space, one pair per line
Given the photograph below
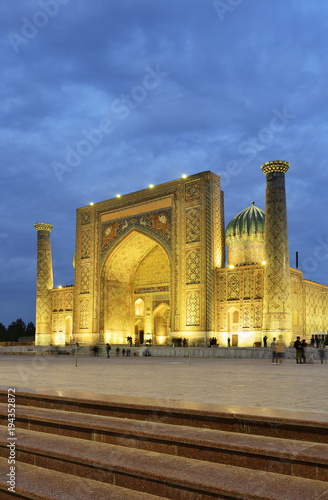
242, 87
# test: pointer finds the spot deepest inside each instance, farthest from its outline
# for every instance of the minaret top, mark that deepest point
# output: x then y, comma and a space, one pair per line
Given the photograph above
275, 166
43, 226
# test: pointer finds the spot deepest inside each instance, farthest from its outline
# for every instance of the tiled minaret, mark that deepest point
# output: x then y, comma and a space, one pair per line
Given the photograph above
44, 285
276, 300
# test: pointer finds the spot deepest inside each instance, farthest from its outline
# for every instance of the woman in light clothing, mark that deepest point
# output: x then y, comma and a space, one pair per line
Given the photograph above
281, 346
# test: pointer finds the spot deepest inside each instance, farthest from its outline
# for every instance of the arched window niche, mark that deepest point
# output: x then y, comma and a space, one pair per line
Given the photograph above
139, 307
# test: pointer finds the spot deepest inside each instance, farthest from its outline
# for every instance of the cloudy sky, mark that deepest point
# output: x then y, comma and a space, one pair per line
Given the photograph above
107, 96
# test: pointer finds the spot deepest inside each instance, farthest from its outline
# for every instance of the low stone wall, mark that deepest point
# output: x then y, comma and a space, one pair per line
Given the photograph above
217, 352
158, 351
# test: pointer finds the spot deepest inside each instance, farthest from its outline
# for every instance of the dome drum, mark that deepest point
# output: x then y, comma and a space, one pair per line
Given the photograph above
246, 255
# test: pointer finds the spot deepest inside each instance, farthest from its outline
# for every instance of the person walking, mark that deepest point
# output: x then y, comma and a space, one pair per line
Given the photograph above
281, 346
274, 351
108, 348
299, 350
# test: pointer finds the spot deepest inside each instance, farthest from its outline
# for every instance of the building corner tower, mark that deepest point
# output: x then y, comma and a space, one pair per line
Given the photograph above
276, 298
44, 285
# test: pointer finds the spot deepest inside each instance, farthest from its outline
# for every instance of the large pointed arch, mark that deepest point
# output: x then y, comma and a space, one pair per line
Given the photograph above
117, 308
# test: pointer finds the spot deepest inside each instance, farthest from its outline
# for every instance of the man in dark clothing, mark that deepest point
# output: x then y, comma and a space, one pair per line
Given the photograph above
299, 350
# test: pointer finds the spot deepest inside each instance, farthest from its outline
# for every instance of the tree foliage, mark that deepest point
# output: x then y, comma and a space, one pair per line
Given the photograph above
30, 330
3, 332
15, 330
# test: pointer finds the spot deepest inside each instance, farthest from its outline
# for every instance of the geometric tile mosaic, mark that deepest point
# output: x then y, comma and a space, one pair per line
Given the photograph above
193, 309
86, 217
193, 225
85, 246
193, 267
233, 287
192, 190
85, 278
84, 313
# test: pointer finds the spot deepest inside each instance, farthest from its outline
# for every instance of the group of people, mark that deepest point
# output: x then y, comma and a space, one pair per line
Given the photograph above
302, 346
214, 342
278, 350
126, 352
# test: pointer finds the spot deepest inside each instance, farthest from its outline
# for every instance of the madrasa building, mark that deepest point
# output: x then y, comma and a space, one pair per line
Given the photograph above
151, 265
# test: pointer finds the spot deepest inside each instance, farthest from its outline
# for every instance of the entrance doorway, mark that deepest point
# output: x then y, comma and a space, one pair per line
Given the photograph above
162, 324
233, 320
139, 331
141, 336
130, 289
234, 340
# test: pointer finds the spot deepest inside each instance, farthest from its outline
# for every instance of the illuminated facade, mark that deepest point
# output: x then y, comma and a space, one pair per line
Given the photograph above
151, 265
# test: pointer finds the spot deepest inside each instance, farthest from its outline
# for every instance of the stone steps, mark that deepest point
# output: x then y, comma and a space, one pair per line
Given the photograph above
284, 456
39, 483
155, 473
161, 449
295, 425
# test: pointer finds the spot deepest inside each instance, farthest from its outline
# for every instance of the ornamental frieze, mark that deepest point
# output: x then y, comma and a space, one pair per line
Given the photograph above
158, 222
153, 289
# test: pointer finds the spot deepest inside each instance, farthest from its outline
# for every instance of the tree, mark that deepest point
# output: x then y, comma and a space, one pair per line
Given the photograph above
30, 330
3, 333
15, 330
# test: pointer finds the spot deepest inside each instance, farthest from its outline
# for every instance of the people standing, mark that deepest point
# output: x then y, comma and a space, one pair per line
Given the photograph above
281, 346
265, 338
321, 349
274, 351
299, 350
304, 346
108, 348
228, 341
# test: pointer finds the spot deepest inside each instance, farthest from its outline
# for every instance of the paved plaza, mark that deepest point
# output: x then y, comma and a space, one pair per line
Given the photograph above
245, 382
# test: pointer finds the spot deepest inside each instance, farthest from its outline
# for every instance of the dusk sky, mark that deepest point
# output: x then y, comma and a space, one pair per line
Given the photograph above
107, 96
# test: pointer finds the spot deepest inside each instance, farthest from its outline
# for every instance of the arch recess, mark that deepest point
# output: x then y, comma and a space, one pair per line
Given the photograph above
121, 285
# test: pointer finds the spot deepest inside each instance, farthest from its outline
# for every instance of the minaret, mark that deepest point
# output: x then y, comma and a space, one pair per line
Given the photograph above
44, 285
276, 299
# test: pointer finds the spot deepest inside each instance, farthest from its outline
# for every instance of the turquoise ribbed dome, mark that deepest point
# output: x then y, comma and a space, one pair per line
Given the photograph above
247, 225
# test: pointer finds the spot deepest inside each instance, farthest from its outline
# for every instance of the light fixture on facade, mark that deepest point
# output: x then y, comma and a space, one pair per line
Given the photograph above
184, 176
151, 185
263, 262
231, 266
118, 195
91, 203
